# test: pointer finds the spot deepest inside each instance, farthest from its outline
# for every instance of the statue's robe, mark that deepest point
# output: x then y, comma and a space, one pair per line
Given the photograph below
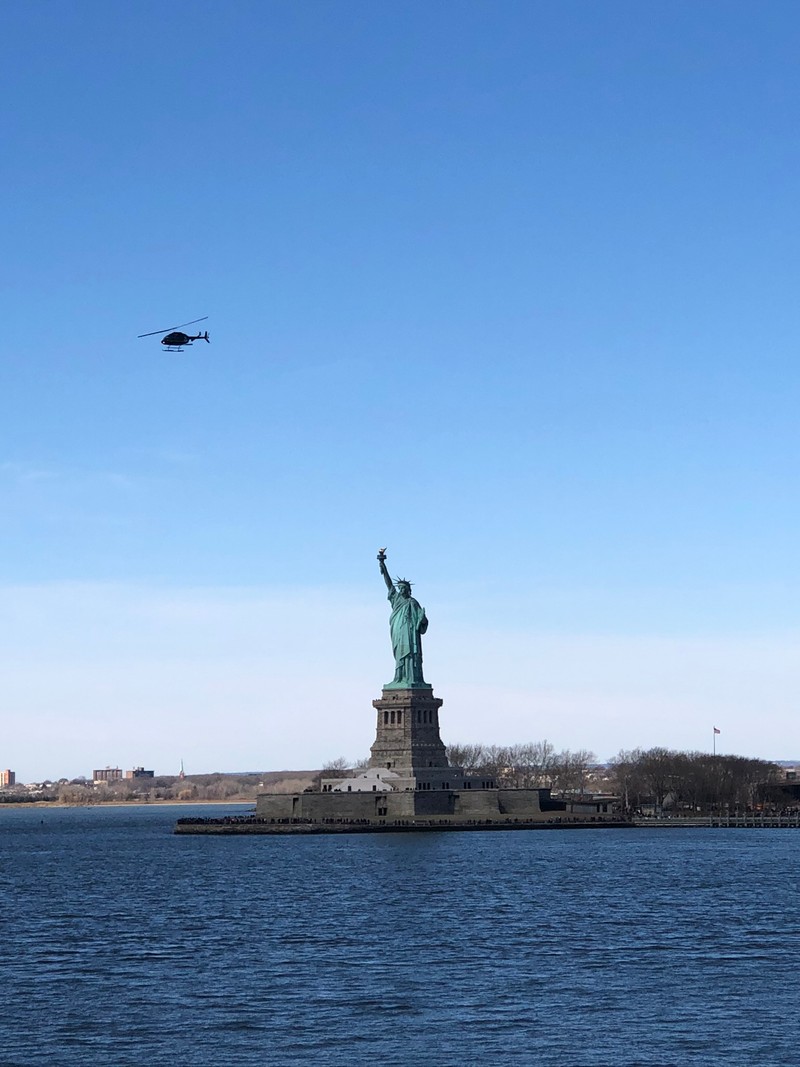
407, 624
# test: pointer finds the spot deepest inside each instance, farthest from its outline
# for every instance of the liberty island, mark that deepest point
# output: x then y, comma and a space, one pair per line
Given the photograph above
408, 783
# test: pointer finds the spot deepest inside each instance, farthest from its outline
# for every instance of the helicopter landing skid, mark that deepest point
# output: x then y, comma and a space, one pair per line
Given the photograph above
169, 348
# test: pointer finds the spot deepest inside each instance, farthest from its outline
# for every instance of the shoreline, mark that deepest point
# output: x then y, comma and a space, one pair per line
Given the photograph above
242, 825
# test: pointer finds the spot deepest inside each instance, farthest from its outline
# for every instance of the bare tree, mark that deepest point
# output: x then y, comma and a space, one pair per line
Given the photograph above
335, 768
521, 766
534, 764
626, 778
659, 770
468, 756
569, 769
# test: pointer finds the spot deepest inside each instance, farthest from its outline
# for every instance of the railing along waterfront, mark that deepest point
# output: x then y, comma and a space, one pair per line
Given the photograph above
750, 820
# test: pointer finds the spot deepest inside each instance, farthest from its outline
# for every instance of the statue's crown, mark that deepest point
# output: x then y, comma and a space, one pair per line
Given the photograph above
403, 581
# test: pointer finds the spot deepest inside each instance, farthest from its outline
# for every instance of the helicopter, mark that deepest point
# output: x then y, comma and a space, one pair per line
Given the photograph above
174, 339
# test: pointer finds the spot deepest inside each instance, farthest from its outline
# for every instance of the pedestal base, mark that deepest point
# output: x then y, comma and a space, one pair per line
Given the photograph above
407, 739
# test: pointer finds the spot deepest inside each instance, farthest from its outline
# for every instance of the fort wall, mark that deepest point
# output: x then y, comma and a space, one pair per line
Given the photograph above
381, 807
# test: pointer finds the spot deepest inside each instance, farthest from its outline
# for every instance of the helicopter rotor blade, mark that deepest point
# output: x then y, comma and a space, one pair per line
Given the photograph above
154, 332
190, 323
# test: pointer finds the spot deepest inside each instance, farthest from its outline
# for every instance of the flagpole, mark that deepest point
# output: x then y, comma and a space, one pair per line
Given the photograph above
714, 742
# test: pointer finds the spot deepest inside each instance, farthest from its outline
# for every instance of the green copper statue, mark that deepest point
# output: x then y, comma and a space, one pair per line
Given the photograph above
407, 624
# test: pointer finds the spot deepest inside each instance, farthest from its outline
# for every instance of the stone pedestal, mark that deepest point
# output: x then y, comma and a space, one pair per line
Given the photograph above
407, 739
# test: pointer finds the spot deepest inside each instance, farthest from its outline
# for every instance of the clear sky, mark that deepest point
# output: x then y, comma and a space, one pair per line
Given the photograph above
510, 288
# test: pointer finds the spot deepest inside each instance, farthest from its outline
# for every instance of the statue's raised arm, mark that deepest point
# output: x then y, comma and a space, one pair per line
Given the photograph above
384, 572
407, 624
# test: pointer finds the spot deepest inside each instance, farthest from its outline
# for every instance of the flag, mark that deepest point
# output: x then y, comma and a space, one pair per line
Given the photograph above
716, 731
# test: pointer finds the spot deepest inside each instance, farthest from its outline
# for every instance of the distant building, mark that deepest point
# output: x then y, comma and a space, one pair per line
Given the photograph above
7, 778
789, 782
139, 772
592, 803
107, 774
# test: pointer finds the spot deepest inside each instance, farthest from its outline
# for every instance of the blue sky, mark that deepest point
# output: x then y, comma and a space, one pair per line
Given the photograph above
510, 288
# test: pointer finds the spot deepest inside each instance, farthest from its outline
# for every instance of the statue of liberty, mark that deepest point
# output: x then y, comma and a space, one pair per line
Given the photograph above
407, 623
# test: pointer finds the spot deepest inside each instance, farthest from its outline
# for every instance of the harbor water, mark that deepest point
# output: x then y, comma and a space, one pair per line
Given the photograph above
126, 944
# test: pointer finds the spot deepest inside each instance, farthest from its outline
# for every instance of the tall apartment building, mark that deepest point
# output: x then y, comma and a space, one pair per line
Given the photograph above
7, 778
139, 772
107, 774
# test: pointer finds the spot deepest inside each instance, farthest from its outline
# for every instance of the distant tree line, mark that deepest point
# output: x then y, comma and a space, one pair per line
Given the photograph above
657, 778
196, 787
532, 765
168, 787
695, 781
